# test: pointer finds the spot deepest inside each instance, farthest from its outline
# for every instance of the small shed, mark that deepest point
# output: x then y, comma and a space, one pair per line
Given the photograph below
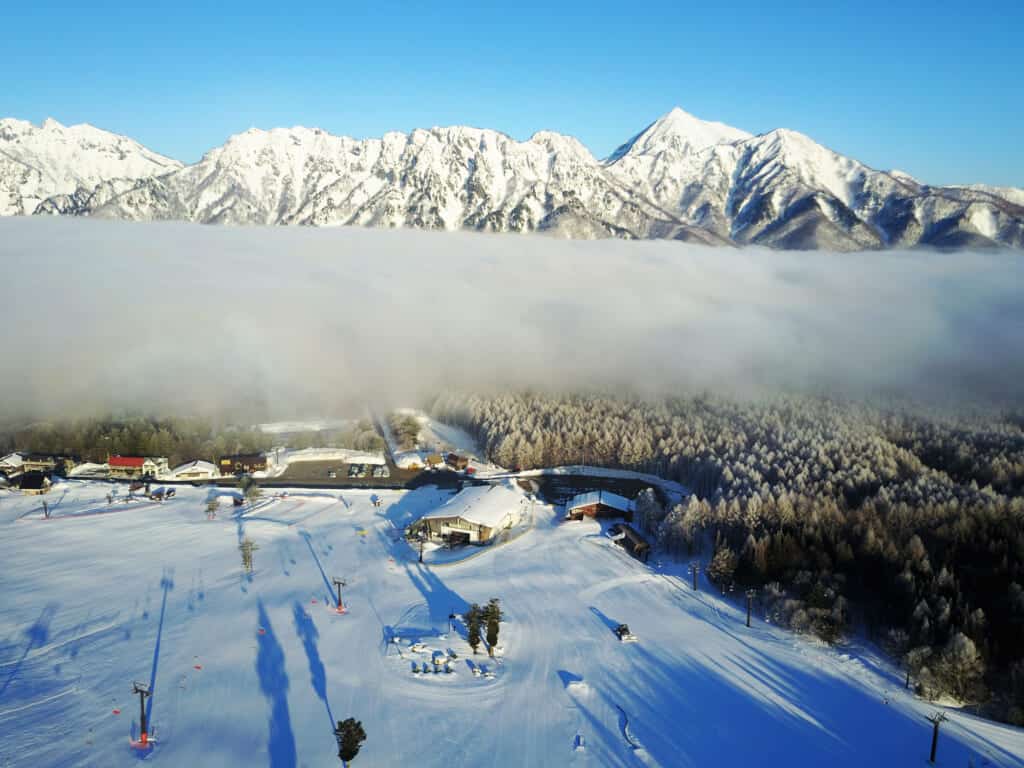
455, 461
599, 504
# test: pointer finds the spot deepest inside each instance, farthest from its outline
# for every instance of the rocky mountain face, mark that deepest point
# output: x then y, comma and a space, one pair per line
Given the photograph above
680, 178
40, 162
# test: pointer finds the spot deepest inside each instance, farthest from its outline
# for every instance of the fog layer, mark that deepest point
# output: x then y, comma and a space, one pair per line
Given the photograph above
180, 318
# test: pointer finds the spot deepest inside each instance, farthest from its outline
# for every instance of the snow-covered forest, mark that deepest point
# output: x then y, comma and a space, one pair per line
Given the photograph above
178, 439
907, 524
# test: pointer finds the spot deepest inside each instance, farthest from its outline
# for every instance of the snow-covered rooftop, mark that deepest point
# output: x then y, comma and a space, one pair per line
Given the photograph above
195, 466
11, 460
607, 498
346, 455
481, 504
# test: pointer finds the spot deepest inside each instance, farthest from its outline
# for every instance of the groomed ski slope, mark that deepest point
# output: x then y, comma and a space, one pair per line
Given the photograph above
103, 595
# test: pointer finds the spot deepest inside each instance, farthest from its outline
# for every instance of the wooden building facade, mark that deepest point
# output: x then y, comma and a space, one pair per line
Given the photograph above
599, 504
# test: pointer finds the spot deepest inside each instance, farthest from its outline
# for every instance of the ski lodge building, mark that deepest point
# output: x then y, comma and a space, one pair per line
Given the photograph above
474, 515
137, 467
48, 462
598, 504
194, 470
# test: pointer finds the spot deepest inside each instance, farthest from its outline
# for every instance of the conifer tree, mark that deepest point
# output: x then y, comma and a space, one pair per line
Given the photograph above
350, 735
473, 617
492, 616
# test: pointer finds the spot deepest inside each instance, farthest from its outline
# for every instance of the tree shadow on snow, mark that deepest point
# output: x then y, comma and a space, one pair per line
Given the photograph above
36, 636
737, 708
274, 684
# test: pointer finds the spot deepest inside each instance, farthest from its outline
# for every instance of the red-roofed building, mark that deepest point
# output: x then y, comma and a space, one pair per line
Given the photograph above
136, 466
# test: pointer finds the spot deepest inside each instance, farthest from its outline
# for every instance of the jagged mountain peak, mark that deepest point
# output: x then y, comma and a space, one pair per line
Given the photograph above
680, 178
38, 162
681, 132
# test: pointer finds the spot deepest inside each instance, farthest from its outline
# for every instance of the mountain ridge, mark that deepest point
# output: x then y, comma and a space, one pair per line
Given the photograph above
679, 178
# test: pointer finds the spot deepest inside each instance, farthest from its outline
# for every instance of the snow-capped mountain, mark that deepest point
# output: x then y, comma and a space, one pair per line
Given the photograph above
39, 162
680, 178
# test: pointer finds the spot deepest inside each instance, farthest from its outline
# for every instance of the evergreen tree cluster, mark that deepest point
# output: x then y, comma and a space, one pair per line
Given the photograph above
487, 618
905, 520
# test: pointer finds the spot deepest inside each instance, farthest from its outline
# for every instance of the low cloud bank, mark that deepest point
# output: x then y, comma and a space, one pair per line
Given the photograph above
276, 322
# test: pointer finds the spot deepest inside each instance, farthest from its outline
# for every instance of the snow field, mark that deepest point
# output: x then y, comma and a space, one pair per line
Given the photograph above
255, 669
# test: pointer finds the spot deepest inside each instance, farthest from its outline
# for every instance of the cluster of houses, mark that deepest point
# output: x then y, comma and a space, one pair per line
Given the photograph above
453, 461
477, 514
32, 473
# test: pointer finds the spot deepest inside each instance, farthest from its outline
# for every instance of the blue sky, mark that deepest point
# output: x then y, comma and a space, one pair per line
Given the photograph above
934, 88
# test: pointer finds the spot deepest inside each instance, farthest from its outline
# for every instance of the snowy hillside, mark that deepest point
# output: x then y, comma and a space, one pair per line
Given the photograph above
680, 178
40, 162
256, 669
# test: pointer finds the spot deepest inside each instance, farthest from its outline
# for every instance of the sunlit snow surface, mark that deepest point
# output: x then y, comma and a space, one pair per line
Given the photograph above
104, 594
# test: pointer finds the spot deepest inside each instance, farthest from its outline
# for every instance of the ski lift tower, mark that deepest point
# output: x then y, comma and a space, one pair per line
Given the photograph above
339, 583
144, 692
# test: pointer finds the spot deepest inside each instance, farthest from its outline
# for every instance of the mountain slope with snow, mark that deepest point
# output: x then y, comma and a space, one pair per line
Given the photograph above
40, 162
256, 668
680, 178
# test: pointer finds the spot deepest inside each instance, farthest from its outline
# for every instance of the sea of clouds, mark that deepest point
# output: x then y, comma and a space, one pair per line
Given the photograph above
276, 322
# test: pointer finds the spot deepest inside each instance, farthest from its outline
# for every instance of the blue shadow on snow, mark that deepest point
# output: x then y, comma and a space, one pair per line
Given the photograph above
274, 685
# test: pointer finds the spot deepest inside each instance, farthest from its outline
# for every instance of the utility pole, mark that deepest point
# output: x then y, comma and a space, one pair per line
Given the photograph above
144, 693
339, 583
935, 720
750, 602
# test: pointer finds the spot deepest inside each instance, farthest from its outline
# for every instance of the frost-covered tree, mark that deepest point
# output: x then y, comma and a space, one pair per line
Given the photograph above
474, 616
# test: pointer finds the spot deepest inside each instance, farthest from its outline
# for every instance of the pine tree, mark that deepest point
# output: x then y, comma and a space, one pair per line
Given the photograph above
723, 565
492, 616
350, 735
473, 616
